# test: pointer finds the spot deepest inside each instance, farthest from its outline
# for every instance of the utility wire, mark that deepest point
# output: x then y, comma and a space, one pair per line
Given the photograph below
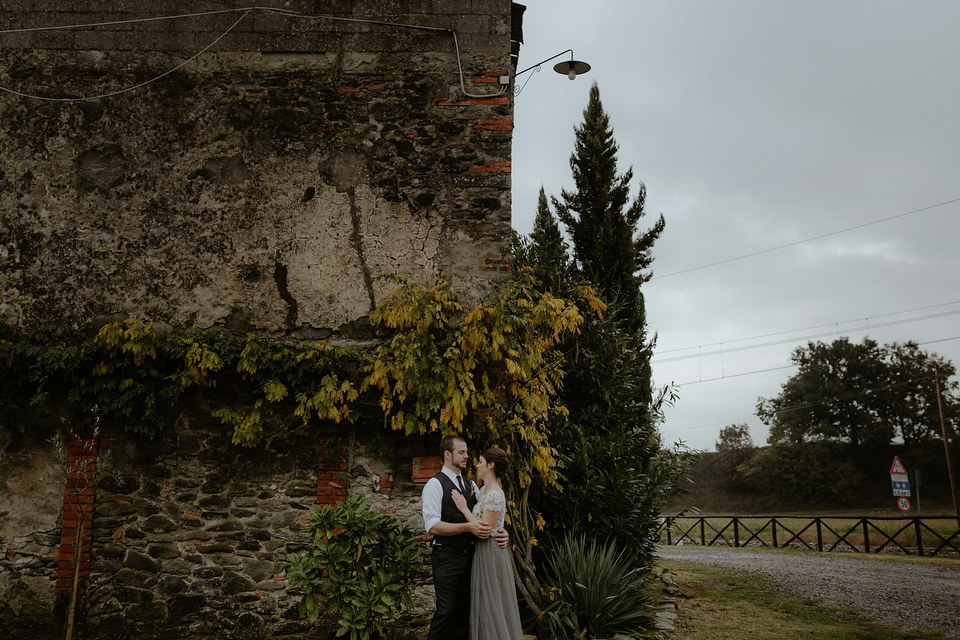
819, 326
245, 12
880, 325
136, 86
793, 244
750, 373
807, 405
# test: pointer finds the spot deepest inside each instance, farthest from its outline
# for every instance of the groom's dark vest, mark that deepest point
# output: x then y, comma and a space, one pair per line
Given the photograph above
450, 513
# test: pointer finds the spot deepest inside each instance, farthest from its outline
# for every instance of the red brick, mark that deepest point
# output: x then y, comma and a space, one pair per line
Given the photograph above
492, 101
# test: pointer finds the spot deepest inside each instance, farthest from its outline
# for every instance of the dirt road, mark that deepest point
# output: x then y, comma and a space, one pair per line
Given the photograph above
910, 595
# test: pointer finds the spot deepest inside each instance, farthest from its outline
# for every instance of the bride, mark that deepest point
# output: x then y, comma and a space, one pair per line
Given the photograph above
493, 594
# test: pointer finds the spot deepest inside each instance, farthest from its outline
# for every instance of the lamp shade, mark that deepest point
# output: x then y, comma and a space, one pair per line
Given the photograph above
571, 68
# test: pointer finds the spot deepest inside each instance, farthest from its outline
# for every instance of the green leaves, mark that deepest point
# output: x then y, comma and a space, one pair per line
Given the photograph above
859, 393
596, 592
360, 569
497, 366
137, 377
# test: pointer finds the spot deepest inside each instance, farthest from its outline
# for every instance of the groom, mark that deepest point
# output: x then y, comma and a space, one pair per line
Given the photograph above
451, 556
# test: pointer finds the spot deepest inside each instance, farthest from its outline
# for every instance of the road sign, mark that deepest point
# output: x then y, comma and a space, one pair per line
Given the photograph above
903, 504
899, 479
897, 468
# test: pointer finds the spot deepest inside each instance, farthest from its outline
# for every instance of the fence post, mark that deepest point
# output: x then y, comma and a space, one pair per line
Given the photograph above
736, 532
916, 526
819, 536
669, 540
773, 528
703, 533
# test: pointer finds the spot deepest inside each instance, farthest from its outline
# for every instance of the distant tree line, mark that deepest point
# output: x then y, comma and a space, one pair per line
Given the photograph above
834, 429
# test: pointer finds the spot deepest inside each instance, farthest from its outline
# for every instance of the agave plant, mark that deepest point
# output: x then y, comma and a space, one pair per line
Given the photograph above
597, 592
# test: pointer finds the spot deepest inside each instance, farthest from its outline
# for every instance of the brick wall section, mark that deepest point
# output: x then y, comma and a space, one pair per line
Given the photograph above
78, 509
331, 474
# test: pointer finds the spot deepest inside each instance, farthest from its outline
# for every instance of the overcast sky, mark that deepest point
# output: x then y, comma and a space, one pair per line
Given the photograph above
756, 125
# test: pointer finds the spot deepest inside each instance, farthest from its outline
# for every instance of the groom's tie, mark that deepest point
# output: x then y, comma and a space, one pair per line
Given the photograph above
460, 484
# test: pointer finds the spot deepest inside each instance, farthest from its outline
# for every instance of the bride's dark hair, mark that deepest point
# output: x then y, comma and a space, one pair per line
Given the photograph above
500, 460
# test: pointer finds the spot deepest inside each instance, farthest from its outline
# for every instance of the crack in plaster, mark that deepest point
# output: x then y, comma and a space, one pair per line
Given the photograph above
280, 277
356, 239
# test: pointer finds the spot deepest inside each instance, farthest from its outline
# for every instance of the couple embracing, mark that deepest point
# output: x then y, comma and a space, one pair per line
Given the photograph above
472, 573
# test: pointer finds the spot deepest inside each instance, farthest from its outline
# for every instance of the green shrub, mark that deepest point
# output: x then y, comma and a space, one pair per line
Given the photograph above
360, 569
597, 592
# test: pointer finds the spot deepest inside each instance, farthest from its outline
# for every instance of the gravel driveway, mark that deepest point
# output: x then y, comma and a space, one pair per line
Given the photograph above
909, 595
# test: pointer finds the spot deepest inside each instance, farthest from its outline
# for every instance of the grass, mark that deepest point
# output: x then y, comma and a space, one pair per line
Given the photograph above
728, 604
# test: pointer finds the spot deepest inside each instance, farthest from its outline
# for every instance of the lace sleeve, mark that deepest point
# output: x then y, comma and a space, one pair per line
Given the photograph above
495, 501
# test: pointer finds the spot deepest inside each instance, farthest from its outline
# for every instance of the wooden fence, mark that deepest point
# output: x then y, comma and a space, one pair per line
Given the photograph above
926, 536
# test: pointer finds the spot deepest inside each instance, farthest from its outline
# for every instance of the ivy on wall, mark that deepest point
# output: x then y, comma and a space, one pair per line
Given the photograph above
490, 373
138, 377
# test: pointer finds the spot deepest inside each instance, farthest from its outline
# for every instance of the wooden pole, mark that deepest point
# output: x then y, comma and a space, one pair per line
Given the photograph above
946, 443
71, 610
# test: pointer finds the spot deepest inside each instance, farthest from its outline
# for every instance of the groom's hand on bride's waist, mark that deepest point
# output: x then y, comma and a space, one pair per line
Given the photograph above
502, 538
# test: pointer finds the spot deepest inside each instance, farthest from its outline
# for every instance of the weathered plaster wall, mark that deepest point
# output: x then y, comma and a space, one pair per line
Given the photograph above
270, 184
31, 494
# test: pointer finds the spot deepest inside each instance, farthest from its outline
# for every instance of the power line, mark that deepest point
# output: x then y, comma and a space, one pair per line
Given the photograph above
750, 373
819, 326
245, 12
793, 244
806, 337
136, 86
807, 405
737, 375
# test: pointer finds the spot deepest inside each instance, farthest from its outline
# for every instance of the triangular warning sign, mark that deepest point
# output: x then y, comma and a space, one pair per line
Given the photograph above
897, 466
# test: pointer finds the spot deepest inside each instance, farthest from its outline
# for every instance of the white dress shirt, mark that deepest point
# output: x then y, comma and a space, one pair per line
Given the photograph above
432, 497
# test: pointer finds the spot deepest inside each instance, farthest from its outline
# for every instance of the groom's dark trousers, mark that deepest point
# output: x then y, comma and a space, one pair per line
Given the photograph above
451, 581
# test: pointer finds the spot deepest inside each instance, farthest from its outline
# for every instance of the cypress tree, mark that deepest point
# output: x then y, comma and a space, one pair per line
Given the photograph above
546, 250
602, 221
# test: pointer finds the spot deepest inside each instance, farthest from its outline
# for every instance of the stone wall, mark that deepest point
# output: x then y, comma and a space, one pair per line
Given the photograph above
253, 171
31, 496
187, 540
273, 183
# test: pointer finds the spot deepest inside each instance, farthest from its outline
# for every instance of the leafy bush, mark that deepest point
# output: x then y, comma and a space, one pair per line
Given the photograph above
597, 592
360, 569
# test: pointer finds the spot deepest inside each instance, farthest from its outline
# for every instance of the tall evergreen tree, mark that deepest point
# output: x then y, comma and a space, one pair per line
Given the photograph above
545, 251
615, 476
602, 220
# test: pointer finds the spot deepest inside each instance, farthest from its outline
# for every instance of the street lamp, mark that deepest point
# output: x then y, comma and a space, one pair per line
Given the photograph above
570, 68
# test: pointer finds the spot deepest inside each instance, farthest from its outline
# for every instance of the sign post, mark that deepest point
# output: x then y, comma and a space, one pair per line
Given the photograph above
901, 484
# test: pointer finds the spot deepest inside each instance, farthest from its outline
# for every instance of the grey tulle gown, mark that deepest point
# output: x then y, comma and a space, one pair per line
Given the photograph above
494, 614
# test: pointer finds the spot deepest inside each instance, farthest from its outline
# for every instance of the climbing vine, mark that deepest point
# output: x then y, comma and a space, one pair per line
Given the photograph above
490, 372
138, 377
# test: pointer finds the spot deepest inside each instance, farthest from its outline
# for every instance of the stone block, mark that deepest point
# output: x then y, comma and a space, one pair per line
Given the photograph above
163, 550
135, 578
140, 562
208, 572
232, 583
258, 570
